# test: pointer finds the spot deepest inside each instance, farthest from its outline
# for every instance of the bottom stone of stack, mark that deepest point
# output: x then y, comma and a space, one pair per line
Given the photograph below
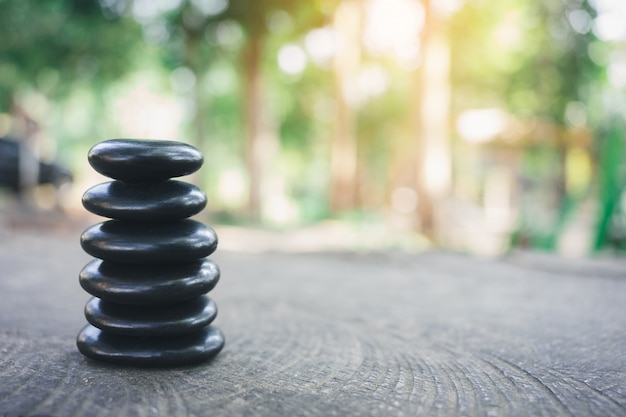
150, 350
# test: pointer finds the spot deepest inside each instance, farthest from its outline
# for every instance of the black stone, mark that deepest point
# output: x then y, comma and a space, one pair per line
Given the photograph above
148, 284
150, 351
144, 160
145, 202
130, 242
175, 319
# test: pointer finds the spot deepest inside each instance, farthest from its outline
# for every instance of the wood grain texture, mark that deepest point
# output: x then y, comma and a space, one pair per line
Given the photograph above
321, 335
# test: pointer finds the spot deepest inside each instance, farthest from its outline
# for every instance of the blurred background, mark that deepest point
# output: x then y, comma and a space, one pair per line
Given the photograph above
471, 125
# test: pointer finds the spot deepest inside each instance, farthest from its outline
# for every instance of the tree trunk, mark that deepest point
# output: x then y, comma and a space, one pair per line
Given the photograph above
192, 61
431, 121
262, 143
343, 175
191, 57
252, 124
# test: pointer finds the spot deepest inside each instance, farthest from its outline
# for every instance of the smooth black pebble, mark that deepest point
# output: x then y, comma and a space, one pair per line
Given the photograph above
175, 319
148, 284
145, 202
149, 243
144, 160
150, 351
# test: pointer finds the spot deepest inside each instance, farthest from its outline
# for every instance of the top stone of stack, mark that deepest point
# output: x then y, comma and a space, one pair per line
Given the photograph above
144, 160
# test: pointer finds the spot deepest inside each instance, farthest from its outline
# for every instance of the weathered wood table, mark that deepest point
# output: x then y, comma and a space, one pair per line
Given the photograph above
350, 335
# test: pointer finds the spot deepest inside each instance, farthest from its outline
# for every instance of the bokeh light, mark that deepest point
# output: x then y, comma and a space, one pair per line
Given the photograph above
471, 125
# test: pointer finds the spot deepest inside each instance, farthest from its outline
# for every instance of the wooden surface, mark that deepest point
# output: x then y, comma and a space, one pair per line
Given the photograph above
347, 335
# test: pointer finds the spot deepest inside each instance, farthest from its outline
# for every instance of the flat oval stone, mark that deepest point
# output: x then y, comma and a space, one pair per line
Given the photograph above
149, 243
175, 319
150, 351
148, 284
137, 160
156, 201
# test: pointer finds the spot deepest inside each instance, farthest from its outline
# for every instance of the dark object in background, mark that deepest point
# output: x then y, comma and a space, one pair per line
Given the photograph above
149, 283
12, 172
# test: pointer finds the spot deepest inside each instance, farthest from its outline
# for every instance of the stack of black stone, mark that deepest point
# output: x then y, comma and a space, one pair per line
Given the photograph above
151, 276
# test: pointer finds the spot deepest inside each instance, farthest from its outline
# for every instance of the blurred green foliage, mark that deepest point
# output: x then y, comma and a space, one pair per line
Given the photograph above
56, 45
534, 60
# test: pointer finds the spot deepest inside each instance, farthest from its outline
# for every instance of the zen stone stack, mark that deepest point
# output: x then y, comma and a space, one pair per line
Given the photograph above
151, 276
